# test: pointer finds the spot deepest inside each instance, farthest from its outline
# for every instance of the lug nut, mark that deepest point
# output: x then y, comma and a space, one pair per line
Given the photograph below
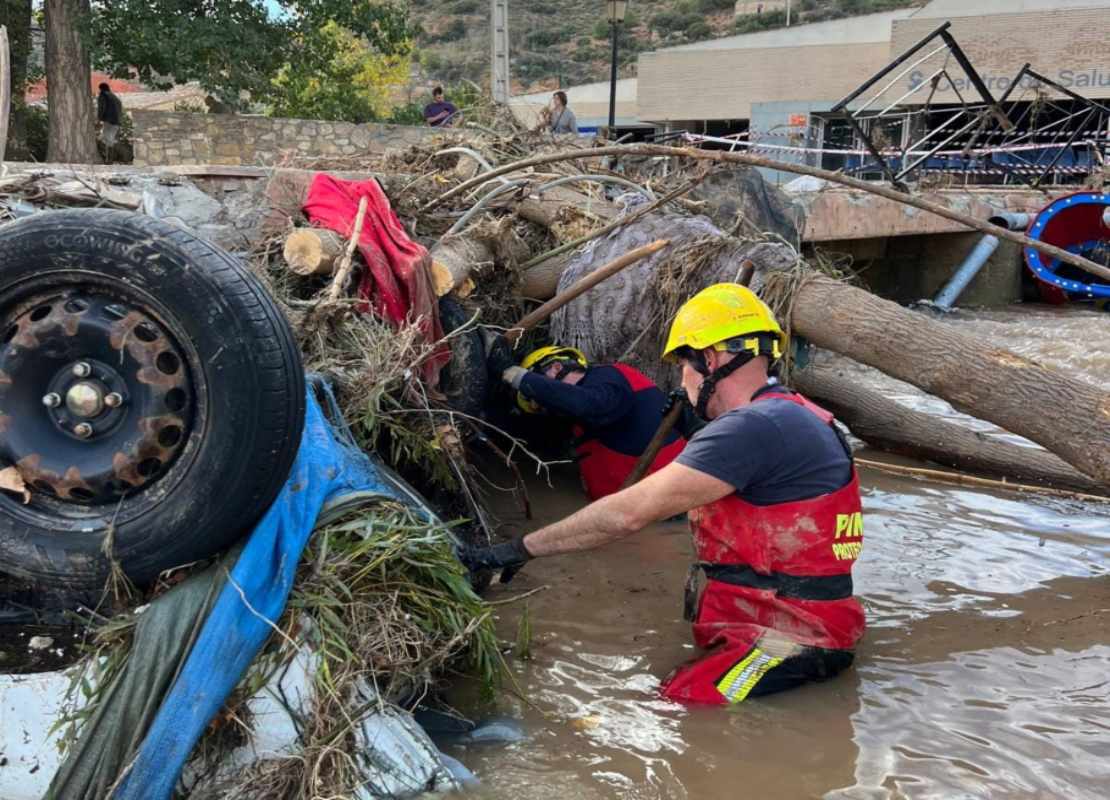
81, 369
113, 400
51, 400
83, 430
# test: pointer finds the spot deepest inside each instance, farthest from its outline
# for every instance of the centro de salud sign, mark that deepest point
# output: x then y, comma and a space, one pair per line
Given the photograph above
1076, 79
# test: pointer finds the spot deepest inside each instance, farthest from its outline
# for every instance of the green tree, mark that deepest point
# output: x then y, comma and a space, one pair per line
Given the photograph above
354, 83
235, 48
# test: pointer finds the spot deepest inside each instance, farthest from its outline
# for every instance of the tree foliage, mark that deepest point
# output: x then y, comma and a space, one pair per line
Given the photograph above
236, 48
348, 79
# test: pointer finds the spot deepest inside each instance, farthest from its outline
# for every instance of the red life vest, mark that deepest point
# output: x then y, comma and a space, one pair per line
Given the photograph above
604, 469
786, 566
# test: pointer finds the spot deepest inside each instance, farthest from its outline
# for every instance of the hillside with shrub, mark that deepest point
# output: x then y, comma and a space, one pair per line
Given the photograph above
566, 42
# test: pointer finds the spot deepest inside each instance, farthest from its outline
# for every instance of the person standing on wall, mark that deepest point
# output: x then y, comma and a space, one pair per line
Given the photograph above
440, 113
109, 113
562, 118
774, 506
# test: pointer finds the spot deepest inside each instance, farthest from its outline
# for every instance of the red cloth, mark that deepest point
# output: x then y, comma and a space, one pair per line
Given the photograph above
397, 283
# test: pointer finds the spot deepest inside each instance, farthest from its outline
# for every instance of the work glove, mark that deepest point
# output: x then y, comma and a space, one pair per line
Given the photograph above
508, 557
688, 422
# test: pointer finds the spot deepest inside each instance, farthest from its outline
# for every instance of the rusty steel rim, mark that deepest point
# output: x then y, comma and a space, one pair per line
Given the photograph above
96, 398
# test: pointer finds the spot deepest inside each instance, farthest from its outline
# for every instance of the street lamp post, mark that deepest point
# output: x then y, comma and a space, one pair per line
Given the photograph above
615, 9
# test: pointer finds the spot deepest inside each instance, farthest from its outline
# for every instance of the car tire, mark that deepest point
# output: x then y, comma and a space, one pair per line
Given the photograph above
151, 395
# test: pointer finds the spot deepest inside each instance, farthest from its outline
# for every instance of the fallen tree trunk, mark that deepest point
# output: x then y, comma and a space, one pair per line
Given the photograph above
454, 258
542, 281
976, 377
557, 208
888, 425
313, 251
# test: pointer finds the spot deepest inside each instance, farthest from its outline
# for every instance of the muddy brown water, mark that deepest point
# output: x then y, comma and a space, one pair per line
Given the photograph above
984, 672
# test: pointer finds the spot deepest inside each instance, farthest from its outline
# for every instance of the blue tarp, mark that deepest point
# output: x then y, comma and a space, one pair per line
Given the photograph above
253, 598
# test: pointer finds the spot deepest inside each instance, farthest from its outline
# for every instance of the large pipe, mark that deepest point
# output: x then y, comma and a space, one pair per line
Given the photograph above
1011, 220
978, 256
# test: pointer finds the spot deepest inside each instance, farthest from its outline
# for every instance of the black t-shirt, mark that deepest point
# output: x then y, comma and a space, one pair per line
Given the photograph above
771, 451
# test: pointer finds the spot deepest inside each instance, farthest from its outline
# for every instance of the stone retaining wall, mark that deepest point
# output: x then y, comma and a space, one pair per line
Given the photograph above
165, 138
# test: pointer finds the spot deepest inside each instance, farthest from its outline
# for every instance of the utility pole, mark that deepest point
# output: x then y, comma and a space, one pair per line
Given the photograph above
499, 65
614, 12
788, 13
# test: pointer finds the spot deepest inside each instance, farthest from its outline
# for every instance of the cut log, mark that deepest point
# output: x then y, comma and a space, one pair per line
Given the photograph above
565, 212
453, 259
313, 251
888, 425
1069, 417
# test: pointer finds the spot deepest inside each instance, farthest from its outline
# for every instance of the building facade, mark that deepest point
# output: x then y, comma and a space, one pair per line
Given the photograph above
777, 88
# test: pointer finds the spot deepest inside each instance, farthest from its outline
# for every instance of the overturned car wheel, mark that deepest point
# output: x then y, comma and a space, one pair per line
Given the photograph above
151, 397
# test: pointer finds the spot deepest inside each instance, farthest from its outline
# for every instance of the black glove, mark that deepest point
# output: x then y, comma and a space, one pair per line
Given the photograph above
508, 557
688, 422
499, 357
676, 396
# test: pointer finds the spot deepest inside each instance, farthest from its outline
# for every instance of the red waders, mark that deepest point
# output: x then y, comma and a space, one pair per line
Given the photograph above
784, 568
604, 469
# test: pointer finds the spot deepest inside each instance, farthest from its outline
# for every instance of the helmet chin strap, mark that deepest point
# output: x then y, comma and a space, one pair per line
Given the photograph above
709, 385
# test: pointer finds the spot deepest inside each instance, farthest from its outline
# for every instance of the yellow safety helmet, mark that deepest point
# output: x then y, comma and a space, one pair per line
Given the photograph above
539, 359
719, 314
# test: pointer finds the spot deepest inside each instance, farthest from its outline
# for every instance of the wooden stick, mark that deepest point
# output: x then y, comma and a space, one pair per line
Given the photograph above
344, 272
580, 287
961, 479
670, 419
721, 156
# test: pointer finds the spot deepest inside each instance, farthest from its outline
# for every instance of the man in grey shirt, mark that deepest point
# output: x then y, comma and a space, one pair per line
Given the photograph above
562, 118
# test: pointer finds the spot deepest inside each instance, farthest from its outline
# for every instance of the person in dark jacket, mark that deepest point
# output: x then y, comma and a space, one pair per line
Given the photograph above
615, 408
109, 114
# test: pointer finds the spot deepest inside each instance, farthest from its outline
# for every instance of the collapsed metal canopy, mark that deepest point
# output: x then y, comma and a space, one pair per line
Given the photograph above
1037, 130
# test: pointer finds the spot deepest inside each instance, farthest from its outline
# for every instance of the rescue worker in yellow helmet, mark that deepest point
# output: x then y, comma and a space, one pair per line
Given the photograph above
615, 410
774, 507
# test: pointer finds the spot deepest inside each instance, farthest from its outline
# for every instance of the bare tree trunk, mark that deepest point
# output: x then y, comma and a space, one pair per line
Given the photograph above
15, 15
887, 425
541, 282
68, 79
1069, 417
5, 89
